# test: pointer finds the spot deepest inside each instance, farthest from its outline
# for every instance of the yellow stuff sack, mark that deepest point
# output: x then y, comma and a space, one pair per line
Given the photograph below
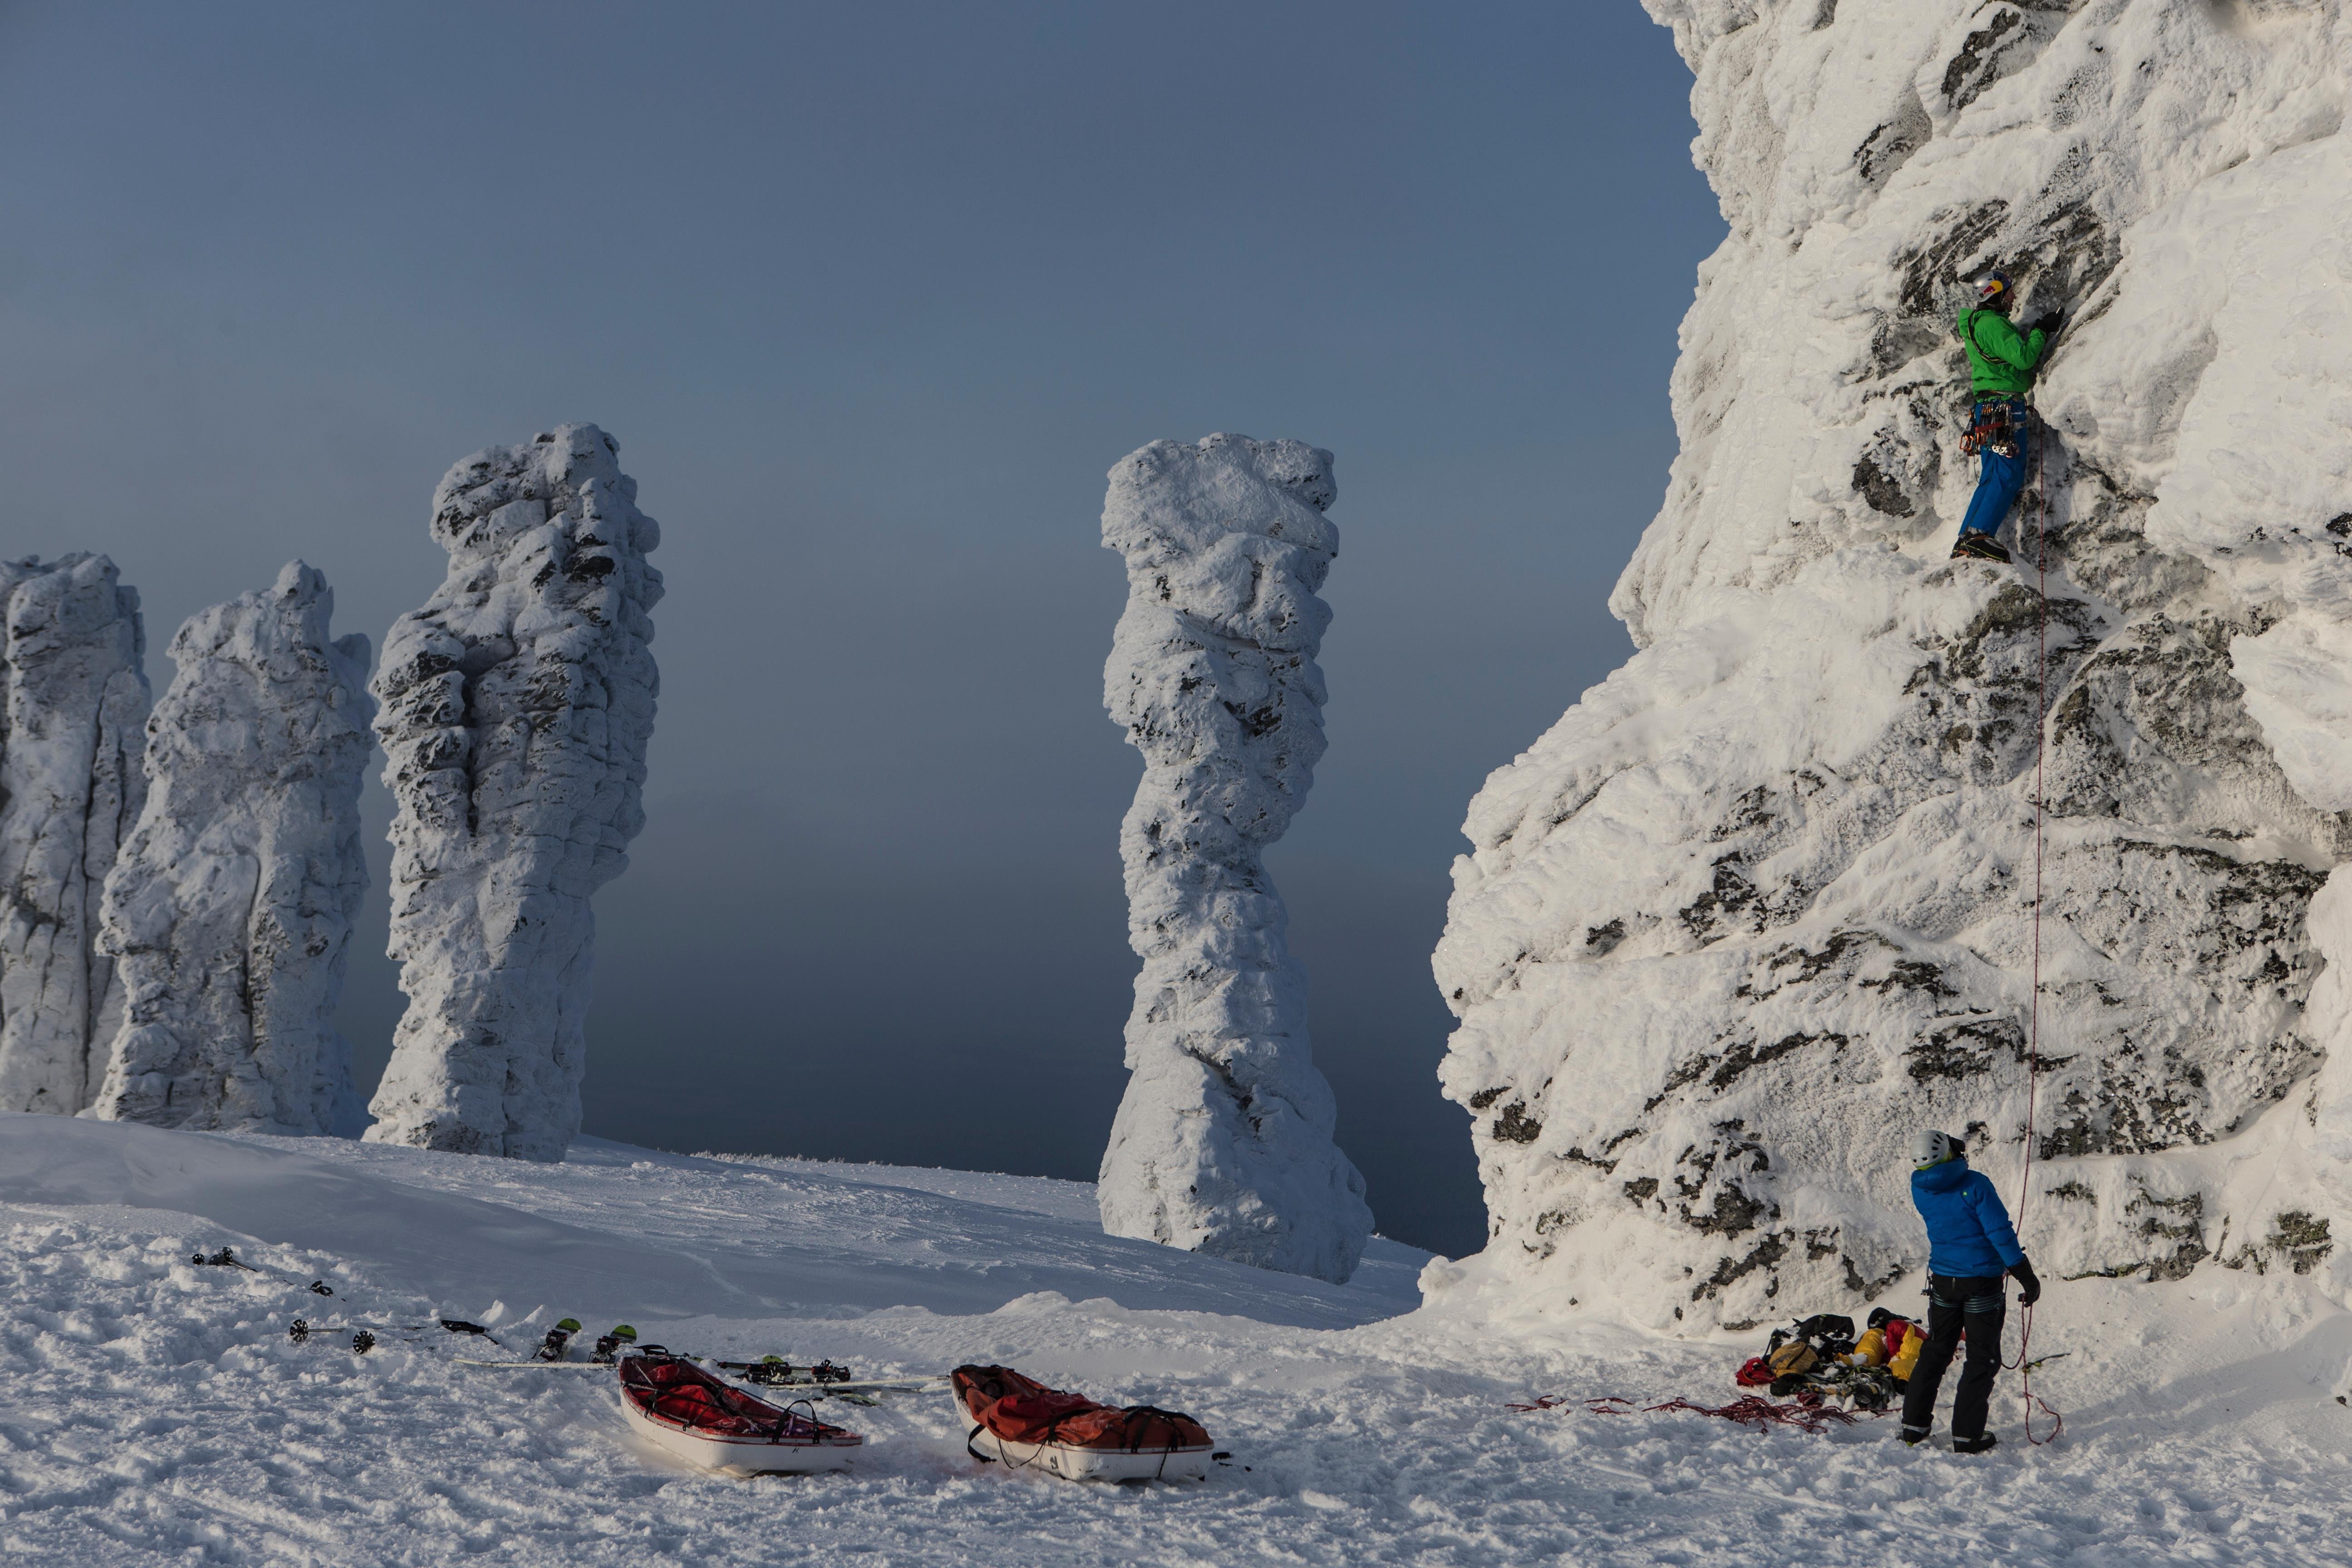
1871, 1351
1791, 1359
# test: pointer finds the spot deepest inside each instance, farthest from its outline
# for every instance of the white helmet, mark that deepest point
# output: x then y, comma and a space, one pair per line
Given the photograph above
1933, 1149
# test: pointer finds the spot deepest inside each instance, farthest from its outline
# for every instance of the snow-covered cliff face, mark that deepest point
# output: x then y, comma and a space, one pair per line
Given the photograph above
1760, 905
1223, 1143
72, 696
516, 706
229, 910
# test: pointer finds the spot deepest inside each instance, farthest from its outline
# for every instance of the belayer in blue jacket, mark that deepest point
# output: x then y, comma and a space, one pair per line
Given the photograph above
1971, 1245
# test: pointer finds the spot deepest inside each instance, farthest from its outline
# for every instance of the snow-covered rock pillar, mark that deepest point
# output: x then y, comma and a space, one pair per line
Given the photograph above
1223, 1141
229, 910
72, 696
516, 706
1761, 905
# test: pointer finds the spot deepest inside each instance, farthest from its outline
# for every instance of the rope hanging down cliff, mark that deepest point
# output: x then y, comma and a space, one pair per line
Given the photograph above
2040, 503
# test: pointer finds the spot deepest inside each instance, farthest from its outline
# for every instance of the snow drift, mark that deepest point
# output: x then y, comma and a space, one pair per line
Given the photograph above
1222, 1142
72, 696
229, 912
516, 706
155, 1408
1762, 904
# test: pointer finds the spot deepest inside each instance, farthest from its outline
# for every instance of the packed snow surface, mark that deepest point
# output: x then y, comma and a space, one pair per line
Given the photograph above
1762, 904
517, 704
72, 697
230, 909
159, 1411
1223, 1140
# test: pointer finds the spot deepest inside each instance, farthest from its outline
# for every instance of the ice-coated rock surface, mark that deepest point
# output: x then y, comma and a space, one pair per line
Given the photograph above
72, 696
229, 910
1223, 1143
516, 706
1760, 905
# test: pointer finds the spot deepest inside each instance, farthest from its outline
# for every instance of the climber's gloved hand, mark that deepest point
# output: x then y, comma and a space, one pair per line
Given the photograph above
2047, 323
2029, 1288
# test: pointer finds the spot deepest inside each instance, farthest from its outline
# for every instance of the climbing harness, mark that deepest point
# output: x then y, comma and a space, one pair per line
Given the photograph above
2023, 1366
1992, 429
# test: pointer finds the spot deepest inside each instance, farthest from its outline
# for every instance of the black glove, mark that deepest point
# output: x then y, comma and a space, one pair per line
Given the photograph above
2029, 1288
2047, 323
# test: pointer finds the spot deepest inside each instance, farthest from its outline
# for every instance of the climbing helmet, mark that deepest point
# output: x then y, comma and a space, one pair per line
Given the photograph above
1933, 1149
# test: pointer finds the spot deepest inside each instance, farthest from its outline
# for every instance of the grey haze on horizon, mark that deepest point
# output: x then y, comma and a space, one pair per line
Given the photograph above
872, 299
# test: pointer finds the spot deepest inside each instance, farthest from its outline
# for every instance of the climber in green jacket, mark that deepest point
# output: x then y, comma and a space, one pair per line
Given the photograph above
2001, 364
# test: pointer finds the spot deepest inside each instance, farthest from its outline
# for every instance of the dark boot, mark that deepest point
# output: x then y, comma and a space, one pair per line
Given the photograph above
1979, 1444
1979, 547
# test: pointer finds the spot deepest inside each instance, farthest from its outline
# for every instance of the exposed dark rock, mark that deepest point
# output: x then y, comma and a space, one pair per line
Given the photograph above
1515, 1126
1879, 488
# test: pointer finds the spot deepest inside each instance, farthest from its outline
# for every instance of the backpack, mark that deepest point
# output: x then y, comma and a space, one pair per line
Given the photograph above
1827, 1333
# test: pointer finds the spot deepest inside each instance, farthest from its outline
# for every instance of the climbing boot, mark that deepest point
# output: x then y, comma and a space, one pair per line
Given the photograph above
1979, 547
1980, 1444
1913, 1436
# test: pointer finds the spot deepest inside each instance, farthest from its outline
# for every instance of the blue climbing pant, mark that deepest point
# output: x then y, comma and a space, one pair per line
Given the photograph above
2001, 479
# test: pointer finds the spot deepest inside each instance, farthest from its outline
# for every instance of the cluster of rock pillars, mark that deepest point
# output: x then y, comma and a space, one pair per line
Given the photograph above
183, 876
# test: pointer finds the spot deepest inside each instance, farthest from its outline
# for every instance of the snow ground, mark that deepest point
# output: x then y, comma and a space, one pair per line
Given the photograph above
155, 1411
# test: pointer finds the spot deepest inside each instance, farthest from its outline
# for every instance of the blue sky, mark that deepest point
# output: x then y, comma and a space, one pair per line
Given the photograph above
872, 297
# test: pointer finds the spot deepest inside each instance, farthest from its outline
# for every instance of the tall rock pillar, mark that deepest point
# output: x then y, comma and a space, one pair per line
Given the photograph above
72, 696
229, 912
516, 706
1223, 1141
1866, 840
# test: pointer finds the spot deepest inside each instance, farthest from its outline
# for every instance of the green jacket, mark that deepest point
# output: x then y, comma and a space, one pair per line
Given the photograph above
2000, 363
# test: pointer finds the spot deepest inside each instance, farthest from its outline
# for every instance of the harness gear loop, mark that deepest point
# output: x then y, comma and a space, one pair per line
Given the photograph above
1991, 428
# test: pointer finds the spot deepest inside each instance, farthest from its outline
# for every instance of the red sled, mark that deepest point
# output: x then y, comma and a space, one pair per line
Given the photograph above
1022, 1424
704, 1421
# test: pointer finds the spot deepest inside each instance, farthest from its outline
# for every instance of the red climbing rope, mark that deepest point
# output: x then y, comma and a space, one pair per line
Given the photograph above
1605, 1404
1755, 1410
2033, 1032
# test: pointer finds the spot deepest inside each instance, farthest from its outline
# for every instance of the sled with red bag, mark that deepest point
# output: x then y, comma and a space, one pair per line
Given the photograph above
1022, 1424
713, 1424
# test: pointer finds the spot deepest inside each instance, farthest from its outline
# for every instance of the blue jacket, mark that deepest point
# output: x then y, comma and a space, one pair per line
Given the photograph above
1968, 1233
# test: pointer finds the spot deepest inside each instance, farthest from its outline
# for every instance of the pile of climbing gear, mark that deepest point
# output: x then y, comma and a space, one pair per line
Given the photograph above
1821, 1359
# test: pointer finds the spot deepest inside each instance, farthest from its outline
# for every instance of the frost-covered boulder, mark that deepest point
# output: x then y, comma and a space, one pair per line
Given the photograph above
72, 696
1761, 905
1223, 1143
229, 911
516, 705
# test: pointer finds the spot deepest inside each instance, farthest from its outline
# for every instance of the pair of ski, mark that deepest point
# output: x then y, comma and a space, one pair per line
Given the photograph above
770, 1372
825, 1379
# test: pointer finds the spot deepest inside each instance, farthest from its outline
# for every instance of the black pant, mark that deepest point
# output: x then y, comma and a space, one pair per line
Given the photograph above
1982, 1307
